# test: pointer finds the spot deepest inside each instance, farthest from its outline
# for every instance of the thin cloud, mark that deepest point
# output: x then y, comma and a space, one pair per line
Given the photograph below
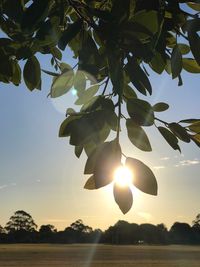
147, 216
165, 158
188, 162
3, 186
159, 167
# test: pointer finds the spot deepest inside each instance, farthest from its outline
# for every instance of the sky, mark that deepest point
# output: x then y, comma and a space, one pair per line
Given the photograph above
40, 174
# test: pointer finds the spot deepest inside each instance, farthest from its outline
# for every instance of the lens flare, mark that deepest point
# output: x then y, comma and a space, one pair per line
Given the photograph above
123, 176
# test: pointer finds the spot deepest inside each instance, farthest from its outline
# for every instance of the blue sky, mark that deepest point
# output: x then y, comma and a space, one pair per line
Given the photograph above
40, 173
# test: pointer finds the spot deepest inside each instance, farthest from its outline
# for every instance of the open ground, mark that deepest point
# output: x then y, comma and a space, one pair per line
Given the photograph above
47, 255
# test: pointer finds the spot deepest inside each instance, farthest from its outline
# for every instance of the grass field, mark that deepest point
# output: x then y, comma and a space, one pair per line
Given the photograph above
98, 255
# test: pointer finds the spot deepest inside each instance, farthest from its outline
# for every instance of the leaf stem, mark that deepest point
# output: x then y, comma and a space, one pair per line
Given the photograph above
119, 117
106, 84
164, 122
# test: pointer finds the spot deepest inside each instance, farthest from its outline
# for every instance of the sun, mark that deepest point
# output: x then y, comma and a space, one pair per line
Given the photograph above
123, 176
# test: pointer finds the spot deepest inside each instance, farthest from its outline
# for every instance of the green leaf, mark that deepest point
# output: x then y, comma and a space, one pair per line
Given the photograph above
169, 137
176, 62
195, 127
158, 63
90, 184
161, 106
148, 19
54, 74
129, 92
179, 131
144, 178
194, 41
34, 14
184, 48
16, 78
190, 65
140, 111
85, 96
194, 6
138, 77
137, 136
78, 150
80, 81
71, 31
65, 128
123, 197
189, 120
32, 73
62, 84
196, 139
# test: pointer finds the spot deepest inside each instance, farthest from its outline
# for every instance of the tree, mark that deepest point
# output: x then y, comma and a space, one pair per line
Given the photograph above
47, 229
196, 222
21, 221
115, 44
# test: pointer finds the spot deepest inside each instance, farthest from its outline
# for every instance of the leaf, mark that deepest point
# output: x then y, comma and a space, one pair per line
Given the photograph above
176, 62
184, 48
140, 111
195, 127
189, 120
160, 107
80, 81
157, 63
90, 184
196, 139
169, 137
78, 151
32, 73
65, 127
108, 153
34, 14
71, 31
148, 19
179, 131
144, 178
62, 84
85, 96
137, 136
129, 92
194, 41
195, 6
16, 78
123, 197
190, 65
54, 74
138, 77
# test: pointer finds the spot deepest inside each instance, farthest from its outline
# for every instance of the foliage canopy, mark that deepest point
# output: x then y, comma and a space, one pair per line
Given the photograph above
114, 43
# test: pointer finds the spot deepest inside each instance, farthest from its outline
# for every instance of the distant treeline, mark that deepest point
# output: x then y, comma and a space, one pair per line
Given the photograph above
21, 228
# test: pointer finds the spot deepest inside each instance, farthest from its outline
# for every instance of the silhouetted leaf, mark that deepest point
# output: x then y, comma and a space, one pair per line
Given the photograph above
189, 120
176, 62
32, 73
65, 128
137, 136
90, 184
62, 84
78, 150
194, 41
138, 77
184, 48
140, 111
169, 137
190, 65
195, 127
16, 78
144, 178
123, 197
71, 31
54, 74
34, 14
179, 131
161, 106
129, 92
196, 139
